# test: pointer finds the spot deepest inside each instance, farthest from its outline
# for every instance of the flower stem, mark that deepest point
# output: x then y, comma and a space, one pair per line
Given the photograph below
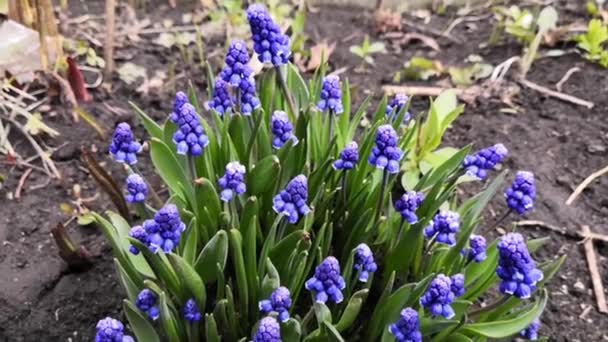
401, 228
343, 186
331, 128
192, 167
238, 99
282, 78
281, 231
382, 193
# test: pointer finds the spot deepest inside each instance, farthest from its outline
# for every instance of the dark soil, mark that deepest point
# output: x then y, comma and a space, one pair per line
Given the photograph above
41, 300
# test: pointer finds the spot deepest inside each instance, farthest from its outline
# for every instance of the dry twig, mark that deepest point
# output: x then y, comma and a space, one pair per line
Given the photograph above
423, 28
594, 272
22, 182
557, 94
566, 77
584, 184
108, 49
562, 231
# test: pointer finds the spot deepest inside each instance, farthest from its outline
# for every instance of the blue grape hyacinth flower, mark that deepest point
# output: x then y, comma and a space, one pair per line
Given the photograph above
531, 332
458, 284
445, 225
137, 189
124, 148
331, 95
407, 328
521, 194
233, 181
364, 262
269, 330
191, 312
327, 283
271, 45
349, 157
147, 302
516, 268
180, 100
165, 230
249, 100
407, 205
138, 233
439, 297
222, 102
291, 201
396, 105
385, 154
111, 330
282, 130
279, 302
236, 68
487, 159
190, 136
477, 250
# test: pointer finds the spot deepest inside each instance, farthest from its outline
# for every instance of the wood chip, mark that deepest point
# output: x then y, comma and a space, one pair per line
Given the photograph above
562, 231
594, 272
579, 189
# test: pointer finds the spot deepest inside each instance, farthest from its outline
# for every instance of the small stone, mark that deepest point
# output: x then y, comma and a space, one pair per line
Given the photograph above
579, 286
596, 148
501, 231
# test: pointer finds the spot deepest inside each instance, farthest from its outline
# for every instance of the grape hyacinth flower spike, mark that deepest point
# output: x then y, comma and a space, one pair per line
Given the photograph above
407, 205
282, 130
248, 100
180, 100
269, 330
236, 68
331, 95
137, 189
190, 136
477, 249
439, 297
458, 284
531, 332
516, 268
327, 283
233, 181
222, 102
349, 157
279, 302
407, 328
140, 234
146, 302
165, 230
364, 262
385, 154
271, 45
291, 201
444, 227
522, 193
124, 148
395, 106
480, 163
111, 330
191, 311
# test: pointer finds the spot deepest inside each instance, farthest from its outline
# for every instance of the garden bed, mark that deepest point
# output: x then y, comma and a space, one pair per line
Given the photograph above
561, 142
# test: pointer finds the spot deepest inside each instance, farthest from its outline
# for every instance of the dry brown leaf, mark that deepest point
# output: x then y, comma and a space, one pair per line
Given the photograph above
387, 21
319, 54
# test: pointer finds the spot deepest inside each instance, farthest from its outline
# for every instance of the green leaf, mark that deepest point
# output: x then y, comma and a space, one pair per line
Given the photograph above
547, 19
510, 327
457, 337
280, 253
167, 165
211, 333
271, 280
123, 228
150, 125
352, 310
332, 333
214, 252
127, 283
190, 278
141, 327
236, 248
322, 313
167, 320
263, 176
291, 331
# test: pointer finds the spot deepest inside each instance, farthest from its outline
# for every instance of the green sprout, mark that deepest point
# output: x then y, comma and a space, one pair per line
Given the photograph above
592, 42
367, 49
